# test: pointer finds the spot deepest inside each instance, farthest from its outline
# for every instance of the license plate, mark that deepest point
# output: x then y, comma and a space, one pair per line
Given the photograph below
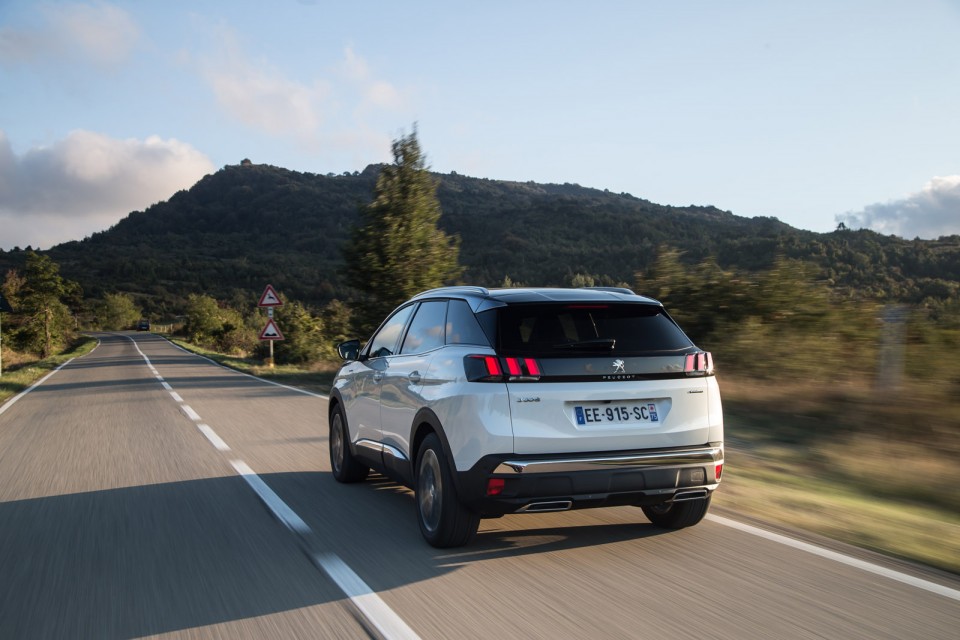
616, 413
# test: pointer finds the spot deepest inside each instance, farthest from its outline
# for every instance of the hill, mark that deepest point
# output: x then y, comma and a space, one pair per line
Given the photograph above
247, 225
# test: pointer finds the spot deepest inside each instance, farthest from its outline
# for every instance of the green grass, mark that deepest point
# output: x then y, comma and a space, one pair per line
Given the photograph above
23, 371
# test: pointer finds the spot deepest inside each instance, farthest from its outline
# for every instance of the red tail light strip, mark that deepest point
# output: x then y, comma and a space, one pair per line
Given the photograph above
698, 364
493, 369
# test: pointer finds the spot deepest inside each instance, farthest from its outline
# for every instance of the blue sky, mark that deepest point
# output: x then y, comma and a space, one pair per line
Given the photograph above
813, 113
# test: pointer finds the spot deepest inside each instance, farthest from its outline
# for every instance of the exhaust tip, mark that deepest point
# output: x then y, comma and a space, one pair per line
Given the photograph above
682, 496
541, 507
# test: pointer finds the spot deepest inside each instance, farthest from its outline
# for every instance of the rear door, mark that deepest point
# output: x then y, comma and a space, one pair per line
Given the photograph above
401, 390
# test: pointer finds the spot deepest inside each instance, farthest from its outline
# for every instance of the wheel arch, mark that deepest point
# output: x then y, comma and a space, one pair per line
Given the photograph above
426, 422
336, 402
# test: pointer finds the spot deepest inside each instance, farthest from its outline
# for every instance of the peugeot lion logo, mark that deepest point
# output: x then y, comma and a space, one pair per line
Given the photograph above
618, 366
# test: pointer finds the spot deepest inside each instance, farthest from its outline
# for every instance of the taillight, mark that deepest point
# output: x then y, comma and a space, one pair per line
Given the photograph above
483, 368
699, 364
719, 471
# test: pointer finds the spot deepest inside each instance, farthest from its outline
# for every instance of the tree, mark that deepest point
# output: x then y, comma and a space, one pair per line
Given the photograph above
397, 250
46, 322
117, 311
11, 286
336, 318
203, 319
302, 332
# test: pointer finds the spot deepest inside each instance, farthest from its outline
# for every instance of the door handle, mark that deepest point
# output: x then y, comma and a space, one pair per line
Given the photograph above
414, 377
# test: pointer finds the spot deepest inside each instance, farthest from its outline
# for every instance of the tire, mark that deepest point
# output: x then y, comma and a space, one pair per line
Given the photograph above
677, 515
344, 466
444, 521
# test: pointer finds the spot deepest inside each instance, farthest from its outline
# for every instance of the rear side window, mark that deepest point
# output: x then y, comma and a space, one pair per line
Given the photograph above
426, 330
462, 325
566, 329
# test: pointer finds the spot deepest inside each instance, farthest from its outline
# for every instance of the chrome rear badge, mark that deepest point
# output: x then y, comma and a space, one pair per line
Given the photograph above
618, 366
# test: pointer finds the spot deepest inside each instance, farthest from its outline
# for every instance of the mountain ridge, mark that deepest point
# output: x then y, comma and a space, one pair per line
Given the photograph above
246, 225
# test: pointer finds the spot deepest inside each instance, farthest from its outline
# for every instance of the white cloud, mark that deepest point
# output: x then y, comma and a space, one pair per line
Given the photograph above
99, 33
87, 182
258, 95
371, 92
932, 212
322, 111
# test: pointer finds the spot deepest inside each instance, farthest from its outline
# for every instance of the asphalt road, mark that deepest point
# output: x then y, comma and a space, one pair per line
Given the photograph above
128, 509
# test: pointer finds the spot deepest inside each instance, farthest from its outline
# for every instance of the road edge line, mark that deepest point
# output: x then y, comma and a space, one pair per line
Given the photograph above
243, 373
841, 558
9, 403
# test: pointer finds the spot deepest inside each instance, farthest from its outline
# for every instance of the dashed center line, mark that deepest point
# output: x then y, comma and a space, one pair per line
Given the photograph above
187, 409
212, 436
374, 610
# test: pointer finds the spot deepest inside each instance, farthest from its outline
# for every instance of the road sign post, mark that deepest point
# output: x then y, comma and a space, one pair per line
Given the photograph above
270, 299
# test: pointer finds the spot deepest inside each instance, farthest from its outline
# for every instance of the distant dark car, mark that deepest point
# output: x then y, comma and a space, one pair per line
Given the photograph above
143, 325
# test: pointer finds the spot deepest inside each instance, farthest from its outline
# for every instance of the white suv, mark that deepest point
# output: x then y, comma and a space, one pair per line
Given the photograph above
488, 402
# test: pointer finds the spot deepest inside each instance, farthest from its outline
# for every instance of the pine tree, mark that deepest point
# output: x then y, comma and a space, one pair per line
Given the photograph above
397, 250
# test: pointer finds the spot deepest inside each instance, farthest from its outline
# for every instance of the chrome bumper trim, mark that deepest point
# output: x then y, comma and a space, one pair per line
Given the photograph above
676, 458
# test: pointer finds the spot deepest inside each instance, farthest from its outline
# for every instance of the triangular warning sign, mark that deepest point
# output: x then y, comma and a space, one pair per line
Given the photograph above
270, 298
271, 331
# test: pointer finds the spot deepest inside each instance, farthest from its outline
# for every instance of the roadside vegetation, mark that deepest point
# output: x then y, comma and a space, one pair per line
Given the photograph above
22, 370
847, 464
842, 404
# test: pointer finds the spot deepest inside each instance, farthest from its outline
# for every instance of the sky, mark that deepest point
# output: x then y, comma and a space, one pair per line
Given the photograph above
815, 113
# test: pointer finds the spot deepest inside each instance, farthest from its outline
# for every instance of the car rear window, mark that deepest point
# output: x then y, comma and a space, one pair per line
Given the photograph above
567, 329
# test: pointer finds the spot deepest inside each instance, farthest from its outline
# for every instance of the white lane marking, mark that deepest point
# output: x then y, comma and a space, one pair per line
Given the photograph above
373, 608
278, 507
9, 403
370, 605
212, 436
187, 409
870, 567
241, 373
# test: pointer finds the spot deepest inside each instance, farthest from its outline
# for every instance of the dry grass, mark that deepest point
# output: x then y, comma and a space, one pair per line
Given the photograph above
836, 460
22, 370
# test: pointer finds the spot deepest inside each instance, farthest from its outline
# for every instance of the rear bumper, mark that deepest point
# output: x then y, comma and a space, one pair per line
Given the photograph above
557, 483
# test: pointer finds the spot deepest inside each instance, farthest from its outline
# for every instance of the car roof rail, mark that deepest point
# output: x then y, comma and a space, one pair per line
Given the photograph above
468, 289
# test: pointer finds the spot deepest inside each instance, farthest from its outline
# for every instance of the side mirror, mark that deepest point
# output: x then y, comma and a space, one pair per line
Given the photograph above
349, 350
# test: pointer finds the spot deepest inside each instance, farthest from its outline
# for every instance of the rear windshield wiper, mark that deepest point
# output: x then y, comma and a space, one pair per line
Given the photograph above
597, 343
